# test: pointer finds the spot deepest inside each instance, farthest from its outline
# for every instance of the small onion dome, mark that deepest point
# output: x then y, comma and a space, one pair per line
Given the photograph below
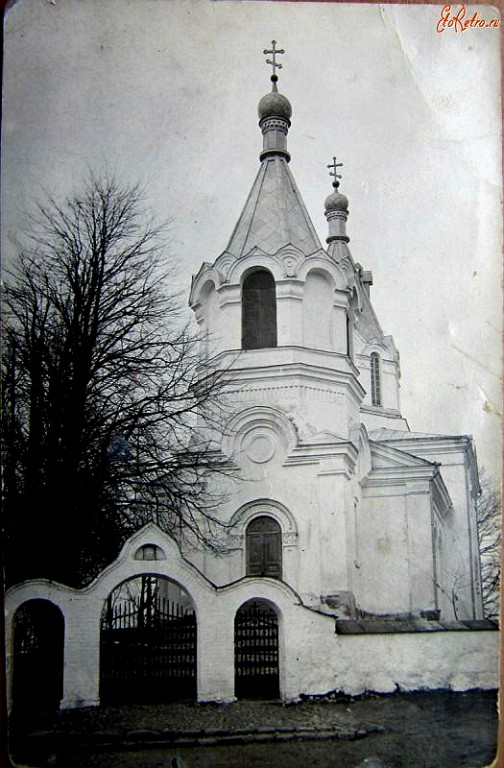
336, 202
274, 104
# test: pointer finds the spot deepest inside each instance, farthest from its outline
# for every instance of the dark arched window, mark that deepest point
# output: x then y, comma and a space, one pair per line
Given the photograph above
264, 548
259, 325
376, 395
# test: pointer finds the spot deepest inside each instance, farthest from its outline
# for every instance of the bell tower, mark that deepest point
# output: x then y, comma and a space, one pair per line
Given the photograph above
276, 306
290, 324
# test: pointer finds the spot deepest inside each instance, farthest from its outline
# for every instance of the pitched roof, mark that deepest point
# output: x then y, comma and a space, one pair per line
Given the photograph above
384, 456
274, 214
383, 434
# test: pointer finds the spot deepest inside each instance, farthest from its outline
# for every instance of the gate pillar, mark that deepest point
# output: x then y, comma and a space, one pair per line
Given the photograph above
215, 653
81, 677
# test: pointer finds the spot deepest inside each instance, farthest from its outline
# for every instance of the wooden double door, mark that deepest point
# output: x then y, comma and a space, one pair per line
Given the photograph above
264, 548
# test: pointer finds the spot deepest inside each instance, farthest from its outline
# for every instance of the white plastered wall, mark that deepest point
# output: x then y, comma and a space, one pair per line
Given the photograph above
313, 659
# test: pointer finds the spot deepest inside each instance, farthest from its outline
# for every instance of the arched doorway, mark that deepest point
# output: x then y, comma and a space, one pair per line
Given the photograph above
264, 547
39, 632
148, 642
256, 651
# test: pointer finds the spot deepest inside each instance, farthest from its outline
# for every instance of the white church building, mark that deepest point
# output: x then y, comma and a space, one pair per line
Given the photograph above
352, 558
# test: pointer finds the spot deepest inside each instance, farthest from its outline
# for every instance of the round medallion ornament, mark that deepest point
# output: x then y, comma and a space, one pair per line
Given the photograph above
259, 448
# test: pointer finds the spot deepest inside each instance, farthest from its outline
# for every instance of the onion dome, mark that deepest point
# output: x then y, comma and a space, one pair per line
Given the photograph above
336, 208
274, 104
336, 201
274, 115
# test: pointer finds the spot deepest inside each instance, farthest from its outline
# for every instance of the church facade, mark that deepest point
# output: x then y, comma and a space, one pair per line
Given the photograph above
351, 560
374, 519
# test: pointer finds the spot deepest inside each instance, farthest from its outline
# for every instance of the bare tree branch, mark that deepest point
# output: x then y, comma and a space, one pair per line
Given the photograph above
102, 388
489, 539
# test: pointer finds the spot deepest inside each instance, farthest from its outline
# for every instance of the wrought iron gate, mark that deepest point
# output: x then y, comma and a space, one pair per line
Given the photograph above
256, 652
38, 656
147, 648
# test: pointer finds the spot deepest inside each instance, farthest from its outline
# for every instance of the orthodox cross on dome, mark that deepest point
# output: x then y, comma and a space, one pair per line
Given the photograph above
274, 51
334, 165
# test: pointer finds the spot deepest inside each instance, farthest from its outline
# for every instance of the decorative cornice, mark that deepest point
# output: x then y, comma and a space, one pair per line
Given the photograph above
379, 410
313, 453
433, 444
287, 263
376, 626
291, 362
275, 152
272, 122
324, 395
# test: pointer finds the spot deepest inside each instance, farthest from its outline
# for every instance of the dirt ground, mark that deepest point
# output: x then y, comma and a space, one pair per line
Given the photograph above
416, 730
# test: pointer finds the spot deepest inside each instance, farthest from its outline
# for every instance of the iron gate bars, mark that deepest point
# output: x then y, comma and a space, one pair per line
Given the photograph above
147, 648
256, 652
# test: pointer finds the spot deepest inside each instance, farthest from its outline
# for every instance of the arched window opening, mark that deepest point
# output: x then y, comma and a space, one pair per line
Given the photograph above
39, 629
264, 548
259, 323
318, 300
376, 395
352, 314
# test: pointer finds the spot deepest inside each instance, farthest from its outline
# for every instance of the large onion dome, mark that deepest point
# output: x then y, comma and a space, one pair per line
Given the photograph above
274, 104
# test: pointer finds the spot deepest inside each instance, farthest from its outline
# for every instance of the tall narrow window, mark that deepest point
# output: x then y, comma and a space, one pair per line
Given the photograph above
259, 325
376, 396
264, 548
349, 339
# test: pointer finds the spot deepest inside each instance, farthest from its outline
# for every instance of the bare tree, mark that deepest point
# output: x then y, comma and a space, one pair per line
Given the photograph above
489, 539
102, 386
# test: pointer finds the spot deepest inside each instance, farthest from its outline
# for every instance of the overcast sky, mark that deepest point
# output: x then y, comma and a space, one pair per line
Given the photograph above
165, 92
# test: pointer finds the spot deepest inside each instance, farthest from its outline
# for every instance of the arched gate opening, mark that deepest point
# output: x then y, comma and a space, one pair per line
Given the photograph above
256, 652
148, 642
37, 680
